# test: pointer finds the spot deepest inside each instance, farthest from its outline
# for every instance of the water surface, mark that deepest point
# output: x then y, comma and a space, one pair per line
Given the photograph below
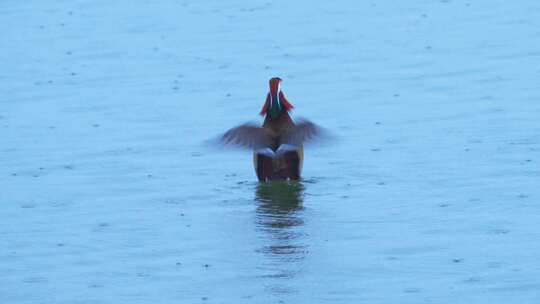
109, 193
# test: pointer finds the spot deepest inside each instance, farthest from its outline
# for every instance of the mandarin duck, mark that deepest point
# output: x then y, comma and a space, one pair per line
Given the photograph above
278, 144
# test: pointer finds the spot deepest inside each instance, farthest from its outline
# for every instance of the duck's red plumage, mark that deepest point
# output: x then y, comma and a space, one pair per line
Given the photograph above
274, 93
284, 102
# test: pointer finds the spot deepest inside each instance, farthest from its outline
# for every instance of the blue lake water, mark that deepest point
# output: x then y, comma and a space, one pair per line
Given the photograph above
110, 192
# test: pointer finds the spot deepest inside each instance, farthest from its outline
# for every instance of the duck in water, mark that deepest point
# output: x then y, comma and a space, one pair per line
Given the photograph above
278, 143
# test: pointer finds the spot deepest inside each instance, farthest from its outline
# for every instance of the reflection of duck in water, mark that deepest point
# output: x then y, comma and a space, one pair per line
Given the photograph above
278, 144
280, 197
279, 213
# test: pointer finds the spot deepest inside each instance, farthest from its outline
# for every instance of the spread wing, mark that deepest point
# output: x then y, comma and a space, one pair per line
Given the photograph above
247, 136
303, 131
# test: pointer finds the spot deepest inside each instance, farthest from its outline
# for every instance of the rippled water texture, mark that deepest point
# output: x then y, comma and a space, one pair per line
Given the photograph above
110, 192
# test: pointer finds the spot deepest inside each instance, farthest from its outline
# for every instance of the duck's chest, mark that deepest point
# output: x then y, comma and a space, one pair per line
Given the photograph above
278, 126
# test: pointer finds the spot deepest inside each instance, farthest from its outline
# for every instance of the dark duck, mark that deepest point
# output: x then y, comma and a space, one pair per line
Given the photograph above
278, 143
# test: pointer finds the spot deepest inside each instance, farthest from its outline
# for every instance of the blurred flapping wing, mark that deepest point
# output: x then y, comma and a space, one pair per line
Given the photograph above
247, 136
304, 131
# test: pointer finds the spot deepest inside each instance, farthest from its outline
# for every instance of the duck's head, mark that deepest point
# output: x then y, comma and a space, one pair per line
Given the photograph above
275, 106
276, 103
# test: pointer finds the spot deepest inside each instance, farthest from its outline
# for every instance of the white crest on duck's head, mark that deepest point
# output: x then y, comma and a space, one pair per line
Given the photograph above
275, 89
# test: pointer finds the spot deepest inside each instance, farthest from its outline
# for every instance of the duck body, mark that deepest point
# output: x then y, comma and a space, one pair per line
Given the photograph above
278, 151
279, 161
